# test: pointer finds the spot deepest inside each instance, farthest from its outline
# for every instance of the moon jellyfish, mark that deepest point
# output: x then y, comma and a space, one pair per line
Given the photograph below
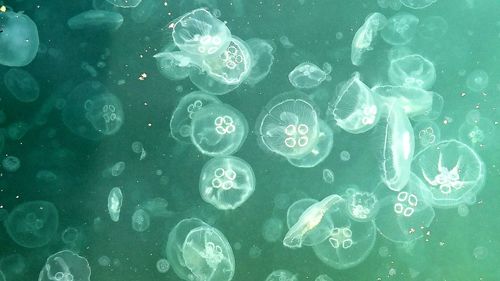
18, 39
364, 38
311, 223
433, 27
71, 236
451, 171
355, 110
180, 122
404, 214
96, 20
414, 101
400, 29
393, 4
272, 229
306, 76
288, 125
125, 3
157, 207
348, 242
218, 129
226, 182
200, 33
427, 133
476, 131
397, 150
262, 54
412, 70
281, 275
360, 205
206, 83
175, 65
319, 152
11, 163
328, 176
140, 220
208, 255
32, 224
417, 4
22, 85
65, 266
162, 265
477, 80
115, 199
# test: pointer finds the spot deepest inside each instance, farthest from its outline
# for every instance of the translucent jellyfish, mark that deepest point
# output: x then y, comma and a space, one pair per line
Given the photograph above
140, 220
180, 122
477, 80
208, 84
13, 266
65, 266
412, 70
272, 229
115, 170
96, 20
288, 125
157, 207
393, 4
319, 152
400, 29
417, 4
32, 224
323, 277
125, 3
404, 215
200, 33
398, 145
226, 182
328, 176
427, 133
208, 255
281, 275
19, 39
162, 265
70, 235
348, 242
218, 129
432, 27
310, 225
345, 155
364, 38
476, 131
354, 109
174, 65
115, 199
22, 85
306, 76
414, 101
451, 171
463, 210
361, 205
92, 112
11, 163
262, 54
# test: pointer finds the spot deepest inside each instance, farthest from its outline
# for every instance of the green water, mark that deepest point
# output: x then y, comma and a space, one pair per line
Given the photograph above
455, 248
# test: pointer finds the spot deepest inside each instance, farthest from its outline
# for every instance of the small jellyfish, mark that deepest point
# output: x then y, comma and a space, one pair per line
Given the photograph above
432, 27
65, 266
96, 20
11, 163
306, 76
345, 156
412, 70
174, 65
281, 275
364, 38
414, 101
104, 261
254, 252
125, 3
140, 220
18, 39
218, 129
328, 176
480, 253
400, 29
319, 152
360, 205
21, 84
323, 277
393, 4
157, 207
477, 80
115, 199
463, 210
162, 265
417, 4
272, 229
427, 133
117, 168
262, 54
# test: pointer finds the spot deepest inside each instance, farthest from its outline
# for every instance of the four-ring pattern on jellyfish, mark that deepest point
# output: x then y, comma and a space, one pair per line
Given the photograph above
406, 204
224, 125
193, 107
223, 178
296, 135
212, 254
341, 237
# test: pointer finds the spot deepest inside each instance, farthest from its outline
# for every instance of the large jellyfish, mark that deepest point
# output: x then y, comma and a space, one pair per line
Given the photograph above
417, 4
218, 129
364, 37
262, 53
355, 109
414, 101
451, 171
306, 76
18, 39
22, 85
180, 122
400, 29
65, 266
289, 125
320, 151
412, 70
226, 182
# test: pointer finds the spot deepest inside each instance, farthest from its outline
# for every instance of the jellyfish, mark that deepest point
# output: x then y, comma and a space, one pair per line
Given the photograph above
400, 29
96, 20
262, 54
451, 171
71, 236
208, 255
328, 176
417, 4
180, 122
319, 152
13, 267
393, 4
157, 208
206, 83
11, 163
17, 130
476, 131
18, 39
311, 221
354, 109
174, 65
218, 129
281, 275
414, 101
162, 265
323, 277
432, 27
140, 220
477, 80
272, 229
427, 133
115, 170
348, 242
288, 125
115, 199
361, 205
32, 224
65, 266
125, 3
412, 70
306, 76
364, 38
404, 215
226, 182
201, 34
21, 84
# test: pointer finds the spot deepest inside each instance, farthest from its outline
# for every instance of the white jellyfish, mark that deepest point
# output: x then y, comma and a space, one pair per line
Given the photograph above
476, 131
361, 205
306, 76
427, 133
320, 151
22, 85
140, 220
281, 275
364, 38
115, 199
417, 4
414, 101
19, 39
65, 266
96, 20
412, 70
400, 29
174, 65
262, 54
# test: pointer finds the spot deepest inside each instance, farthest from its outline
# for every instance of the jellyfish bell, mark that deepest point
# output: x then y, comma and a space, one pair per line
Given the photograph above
65, 265
306, 76
417, 4
174, 65
414, 101
320, 151
400, 29
22, 85
365, 36
295, 211
206, 83
262, 53
477, 80
412, 70
19, 39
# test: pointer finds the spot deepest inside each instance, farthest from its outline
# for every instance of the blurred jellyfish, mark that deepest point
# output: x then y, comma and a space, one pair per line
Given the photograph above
477, 80
463, 210
480, 253
19, 41
116, 169
432, 27
400, 29
226, 182
427, 133
254, 252
412, 70
96, 20
162, 265
319, 152
180, 122
21, 84
115, 199
272, 229
32, 224
140, 220
451, 172
354, 109
417, 4
328, 176
306, 76
360, 205
281, 275
262, 54
218, 129
157, 207
323, 277
393, 4
11, 163
65, 266
414, 101
125, 3
345, 155
364, 38
174, 65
